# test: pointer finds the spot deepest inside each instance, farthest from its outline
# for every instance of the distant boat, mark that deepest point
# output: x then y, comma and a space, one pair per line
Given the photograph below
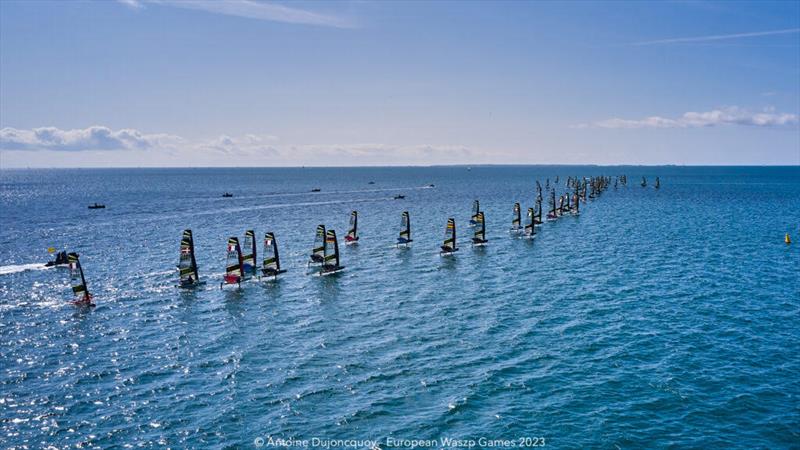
399, 197
60, 261
227, 194
449, 246
644, 182
82, 297
352, 234
271, 266
476, 209
405, 230
97, 206
658, 183
371, 182
331, 263
233, 264
516, 220
479, 237
431, 185
187, 264
249, 253
316, 190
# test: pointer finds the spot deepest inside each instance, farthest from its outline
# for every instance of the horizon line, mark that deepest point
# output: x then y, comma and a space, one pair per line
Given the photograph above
396, 166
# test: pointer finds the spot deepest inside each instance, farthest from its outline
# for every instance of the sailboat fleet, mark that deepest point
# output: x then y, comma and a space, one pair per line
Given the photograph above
242, 261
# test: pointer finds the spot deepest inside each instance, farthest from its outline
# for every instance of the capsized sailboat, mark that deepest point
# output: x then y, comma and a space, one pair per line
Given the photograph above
331, 259
271, 265
449, 246
233, 263
352, 234
476, 208
249, 267
187, 264
318, 251
81, 294
516, 220
479, 238
405, 230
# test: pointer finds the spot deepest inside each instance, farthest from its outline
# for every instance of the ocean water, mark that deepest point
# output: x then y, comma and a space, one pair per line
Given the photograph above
655, 319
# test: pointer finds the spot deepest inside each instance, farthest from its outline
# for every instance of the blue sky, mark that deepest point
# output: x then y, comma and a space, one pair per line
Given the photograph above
246, 82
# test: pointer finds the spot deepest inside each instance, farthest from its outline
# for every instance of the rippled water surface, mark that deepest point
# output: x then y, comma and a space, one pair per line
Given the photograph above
656, 318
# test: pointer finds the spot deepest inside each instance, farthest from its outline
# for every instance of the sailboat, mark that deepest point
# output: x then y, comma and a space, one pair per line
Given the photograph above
538, 191
530, 227
249, 265
187, 264
271, 265
233, 264
405, 230
78, 282
644, 182
658, 183
318, 252
476, 208
449, 246
352, 234
516, 220
331, 258
479, 238
552, 215
576, 204
537, 220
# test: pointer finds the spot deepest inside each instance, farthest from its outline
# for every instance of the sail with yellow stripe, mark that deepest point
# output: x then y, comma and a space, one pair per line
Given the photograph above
449, 246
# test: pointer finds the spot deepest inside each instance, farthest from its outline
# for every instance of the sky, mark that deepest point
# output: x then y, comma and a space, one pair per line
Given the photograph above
179, 83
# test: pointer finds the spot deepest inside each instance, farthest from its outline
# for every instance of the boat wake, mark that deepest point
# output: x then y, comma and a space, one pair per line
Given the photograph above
7, 270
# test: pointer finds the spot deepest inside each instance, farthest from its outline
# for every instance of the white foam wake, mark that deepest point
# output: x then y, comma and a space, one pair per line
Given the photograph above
6, 270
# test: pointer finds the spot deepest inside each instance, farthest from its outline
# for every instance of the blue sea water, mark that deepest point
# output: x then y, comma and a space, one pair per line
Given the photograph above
656, 319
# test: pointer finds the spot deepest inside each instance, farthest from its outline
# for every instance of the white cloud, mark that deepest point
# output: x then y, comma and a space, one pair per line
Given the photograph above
252, 9
91, 138
717, 117
135, 4
718, 37
247, 145
384, 152
247, 149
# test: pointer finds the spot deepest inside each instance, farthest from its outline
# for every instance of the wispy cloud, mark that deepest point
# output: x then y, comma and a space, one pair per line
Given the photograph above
225, 149
717, 37
252, 9
135, 4
247, 145
717, 117
91, 138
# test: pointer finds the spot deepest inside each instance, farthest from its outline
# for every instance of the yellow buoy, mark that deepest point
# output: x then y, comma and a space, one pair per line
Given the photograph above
52, 250
788, 240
